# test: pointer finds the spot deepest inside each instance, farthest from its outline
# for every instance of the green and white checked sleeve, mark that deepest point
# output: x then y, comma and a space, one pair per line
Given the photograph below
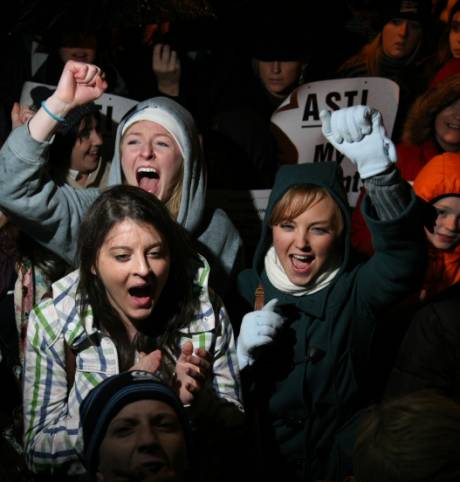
51, 425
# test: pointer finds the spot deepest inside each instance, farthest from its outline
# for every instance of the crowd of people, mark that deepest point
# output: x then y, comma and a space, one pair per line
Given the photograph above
139, 340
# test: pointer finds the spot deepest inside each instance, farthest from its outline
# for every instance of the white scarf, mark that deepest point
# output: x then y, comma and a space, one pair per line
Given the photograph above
279, 279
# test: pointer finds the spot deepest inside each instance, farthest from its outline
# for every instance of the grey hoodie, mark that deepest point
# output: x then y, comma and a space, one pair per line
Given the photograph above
51, 214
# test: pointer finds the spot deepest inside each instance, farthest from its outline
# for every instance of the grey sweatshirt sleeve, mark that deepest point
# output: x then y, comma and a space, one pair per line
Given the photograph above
389, 192
49, 213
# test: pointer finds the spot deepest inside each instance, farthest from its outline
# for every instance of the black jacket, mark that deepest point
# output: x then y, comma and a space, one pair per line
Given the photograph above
309, 385
429, 356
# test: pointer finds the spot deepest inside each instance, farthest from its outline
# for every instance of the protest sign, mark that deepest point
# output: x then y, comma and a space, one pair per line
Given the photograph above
297, 125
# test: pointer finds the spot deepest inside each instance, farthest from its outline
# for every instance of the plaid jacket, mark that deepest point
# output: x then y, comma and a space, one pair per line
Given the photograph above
52, 434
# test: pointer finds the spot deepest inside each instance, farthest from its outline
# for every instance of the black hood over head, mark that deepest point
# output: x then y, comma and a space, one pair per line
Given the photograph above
327, 175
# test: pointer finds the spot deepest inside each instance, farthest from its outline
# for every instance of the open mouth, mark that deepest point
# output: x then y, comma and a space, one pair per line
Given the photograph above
301, 262
147, 179
141, 295
148, 467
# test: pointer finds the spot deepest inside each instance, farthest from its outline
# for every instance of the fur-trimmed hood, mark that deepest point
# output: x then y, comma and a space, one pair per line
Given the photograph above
419, 125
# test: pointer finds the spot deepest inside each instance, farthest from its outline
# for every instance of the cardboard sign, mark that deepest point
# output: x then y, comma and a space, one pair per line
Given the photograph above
113, 107
297, 125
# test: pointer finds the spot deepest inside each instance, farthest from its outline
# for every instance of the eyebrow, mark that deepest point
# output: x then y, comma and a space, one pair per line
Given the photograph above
140, 133
156, 416
150, 246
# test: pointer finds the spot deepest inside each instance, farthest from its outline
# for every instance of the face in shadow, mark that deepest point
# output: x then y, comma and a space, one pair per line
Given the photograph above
144, 442
400, 37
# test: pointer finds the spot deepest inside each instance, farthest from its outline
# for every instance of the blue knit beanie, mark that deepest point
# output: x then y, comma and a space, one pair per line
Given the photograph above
109, 397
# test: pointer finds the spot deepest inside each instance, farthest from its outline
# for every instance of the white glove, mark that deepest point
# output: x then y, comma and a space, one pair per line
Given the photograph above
358, 133
258, 328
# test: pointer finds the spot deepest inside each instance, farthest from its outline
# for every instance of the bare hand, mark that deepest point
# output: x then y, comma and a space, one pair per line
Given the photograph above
20, 115
192, 369
80, 83
3, 219
166, 67
149, 362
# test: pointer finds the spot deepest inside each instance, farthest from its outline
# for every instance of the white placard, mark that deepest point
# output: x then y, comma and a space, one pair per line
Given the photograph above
113, 107
297, 118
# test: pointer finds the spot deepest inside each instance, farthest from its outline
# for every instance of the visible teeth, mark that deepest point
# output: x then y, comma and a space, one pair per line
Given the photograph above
302, 258
453, 126
147, 172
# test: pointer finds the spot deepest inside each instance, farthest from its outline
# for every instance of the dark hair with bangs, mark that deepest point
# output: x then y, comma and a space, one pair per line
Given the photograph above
61, 148
298, 199
178, 300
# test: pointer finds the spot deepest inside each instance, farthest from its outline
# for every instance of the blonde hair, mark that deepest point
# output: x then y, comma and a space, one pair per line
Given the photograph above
298, 199
174, 201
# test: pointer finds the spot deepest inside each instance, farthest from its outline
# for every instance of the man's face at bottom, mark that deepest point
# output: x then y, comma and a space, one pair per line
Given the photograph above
144, 442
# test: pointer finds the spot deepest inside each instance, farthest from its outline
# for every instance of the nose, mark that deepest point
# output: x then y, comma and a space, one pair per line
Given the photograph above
301, 239
147, 150
146, 436
276, 66
96, 138
452, 223
403, 28
142, 267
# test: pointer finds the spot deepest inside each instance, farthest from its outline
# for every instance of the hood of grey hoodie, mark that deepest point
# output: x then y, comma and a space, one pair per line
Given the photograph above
194, 184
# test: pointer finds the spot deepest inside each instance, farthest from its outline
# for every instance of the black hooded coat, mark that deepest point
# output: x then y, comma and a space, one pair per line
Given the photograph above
308, 387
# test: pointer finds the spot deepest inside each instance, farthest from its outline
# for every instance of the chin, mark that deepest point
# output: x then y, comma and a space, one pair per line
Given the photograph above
300, 281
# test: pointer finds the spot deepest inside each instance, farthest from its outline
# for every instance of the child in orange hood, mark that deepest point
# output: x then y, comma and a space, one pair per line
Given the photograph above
439, 184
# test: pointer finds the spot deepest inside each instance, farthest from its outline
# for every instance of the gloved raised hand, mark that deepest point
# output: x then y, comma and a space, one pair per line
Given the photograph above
258, 328
358, 133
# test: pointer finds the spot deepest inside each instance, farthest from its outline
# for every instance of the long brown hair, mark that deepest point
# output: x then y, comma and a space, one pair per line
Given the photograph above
178, 300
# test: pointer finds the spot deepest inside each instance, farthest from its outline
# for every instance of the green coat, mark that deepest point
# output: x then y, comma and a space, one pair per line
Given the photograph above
308, 385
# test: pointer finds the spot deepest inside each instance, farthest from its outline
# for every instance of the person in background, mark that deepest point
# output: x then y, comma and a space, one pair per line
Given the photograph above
156, 148
135, 426
430, 129
394, 53
75, 35
76, 155
446, 60
240, 147
138, 301
304, 355
75, 159
409, 439
429, 353
427, 357
438, 183
438, 186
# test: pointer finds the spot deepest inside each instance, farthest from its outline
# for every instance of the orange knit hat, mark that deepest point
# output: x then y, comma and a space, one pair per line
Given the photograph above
440, 177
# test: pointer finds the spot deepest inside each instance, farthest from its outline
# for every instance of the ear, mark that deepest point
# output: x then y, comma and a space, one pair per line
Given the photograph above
93, 270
